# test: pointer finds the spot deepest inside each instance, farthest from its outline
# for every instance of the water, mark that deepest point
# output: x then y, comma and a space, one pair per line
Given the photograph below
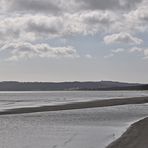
21, 99
82, 128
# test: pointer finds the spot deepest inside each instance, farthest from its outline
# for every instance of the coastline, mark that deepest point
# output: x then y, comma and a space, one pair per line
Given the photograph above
75, 128
134, 137
76, 105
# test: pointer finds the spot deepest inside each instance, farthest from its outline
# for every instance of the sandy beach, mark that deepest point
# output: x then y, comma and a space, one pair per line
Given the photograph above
134, 137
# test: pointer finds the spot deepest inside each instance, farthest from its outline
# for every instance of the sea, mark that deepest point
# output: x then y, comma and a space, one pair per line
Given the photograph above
80, 128
38, 98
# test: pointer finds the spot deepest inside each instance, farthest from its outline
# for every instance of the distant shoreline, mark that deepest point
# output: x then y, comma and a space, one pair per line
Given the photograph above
70, 86
76, 105
106, 90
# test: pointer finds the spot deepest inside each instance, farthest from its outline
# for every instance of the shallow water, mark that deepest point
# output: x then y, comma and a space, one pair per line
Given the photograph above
84, 128
22, 99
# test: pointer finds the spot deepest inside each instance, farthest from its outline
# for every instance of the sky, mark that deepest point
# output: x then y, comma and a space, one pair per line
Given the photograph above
74, 40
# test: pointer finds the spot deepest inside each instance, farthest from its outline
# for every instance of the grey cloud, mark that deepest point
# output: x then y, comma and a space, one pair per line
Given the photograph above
25, 50
37, 6
141, 12
30, 27
108, 4
136, 20
33, 27
34, 20
99, 17
71, 6
42, 28
46, 27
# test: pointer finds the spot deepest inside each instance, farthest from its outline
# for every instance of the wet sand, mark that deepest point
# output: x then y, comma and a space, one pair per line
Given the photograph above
76, 105
82, 128
135, 137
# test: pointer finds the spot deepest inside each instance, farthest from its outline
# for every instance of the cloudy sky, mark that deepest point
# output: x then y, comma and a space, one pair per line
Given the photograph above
68, 40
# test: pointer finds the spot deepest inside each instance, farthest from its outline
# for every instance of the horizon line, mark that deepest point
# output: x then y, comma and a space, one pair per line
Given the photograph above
68, 81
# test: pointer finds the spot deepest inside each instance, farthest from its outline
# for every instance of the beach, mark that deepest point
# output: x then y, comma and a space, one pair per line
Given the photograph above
81, 123
134, 137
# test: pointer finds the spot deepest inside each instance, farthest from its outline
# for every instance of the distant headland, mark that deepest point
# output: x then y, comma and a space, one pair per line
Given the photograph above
69, 86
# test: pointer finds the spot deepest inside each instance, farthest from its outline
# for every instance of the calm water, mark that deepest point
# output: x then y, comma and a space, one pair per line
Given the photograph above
21, 99
84, 128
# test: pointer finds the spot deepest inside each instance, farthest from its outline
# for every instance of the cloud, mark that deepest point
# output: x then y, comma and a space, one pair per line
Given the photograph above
114, 52
122, 37
33, 27
37, 6
84, 21
23, 50
88, 56
109, 56
98, 17
34, 21
146, 53
136, 20
118, 50
136, 49
142, 50
45, 26
58, 7
92, 22
108, 4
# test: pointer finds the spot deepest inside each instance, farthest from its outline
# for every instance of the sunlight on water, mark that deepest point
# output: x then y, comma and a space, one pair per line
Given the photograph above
84, 128
23, 99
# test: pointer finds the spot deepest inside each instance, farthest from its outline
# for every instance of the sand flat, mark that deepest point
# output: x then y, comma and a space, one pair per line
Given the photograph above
135, 137
77, 105
85, 127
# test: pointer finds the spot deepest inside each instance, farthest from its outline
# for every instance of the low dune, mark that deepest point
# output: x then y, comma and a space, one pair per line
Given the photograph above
135, 137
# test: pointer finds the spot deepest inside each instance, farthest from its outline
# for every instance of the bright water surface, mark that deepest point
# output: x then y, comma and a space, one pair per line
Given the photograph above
22, 99
82, 128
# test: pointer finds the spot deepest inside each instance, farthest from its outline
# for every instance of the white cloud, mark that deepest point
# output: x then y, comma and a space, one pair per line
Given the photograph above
136, 20
136, 49
122, 37
32, 21
98, 21
146, 52
109, 56
98, 17
141, 50
33, 27
23, 50
114, 52
30, 27
88, 56
118, 50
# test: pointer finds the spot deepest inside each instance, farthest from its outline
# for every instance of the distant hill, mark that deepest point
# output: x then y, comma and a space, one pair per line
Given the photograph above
51, 86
